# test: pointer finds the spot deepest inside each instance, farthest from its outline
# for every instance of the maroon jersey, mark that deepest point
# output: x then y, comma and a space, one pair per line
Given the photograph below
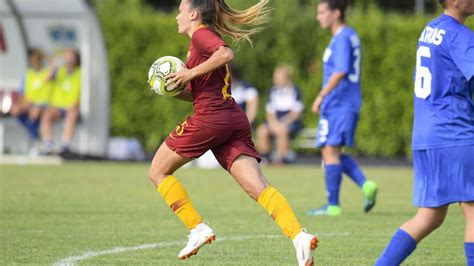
213, 104
218, 123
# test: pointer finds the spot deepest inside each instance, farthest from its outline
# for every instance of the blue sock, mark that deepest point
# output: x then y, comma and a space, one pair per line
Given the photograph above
333, 175
23, 118
469, 249
400, 247
352, 169
33, 129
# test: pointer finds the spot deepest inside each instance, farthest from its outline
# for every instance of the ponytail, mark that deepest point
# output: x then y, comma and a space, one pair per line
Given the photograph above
237, 24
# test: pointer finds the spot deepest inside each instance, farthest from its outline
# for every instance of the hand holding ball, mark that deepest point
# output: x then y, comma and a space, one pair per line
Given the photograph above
157, 75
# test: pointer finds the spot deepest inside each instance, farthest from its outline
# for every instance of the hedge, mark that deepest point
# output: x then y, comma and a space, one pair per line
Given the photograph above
136, 35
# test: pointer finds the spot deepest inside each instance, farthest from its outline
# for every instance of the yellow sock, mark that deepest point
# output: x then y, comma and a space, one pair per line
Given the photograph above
280, 211
176, 197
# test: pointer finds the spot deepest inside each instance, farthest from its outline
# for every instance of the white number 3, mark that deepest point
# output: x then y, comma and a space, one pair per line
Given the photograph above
422, 74
355, 77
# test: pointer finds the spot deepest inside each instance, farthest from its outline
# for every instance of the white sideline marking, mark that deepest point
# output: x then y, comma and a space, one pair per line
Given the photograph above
70, 261
29, 160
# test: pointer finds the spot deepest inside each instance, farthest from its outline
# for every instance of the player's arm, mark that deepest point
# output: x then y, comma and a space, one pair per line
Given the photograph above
222, 56
252, 108
342, 54
53, 67
332, 83
251, 102
22, 101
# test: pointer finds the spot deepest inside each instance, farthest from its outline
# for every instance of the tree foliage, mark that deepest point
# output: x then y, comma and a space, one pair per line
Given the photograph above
136, 35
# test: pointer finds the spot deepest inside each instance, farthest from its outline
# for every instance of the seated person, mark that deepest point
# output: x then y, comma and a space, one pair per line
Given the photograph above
64, 101
244, 94
35, 92
283, 113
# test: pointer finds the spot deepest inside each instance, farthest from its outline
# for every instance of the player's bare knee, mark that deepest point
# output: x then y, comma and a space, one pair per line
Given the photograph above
73, 113
33, 116
330, 159
437, 221
282, 132
431, 221
15, 111
156, 176
254, 193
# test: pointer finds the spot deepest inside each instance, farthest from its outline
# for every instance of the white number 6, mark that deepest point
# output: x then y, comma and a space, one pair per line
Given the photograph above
423, 74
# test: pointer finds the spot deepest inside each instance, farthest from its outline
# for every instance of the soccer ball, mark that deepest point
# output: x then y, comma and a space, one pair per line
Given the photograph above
162, 67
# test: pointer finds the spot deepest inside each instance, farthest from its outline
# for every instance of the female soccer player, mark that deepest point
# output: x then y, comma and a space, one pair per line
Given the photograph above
218, 124
443, 131
339, 104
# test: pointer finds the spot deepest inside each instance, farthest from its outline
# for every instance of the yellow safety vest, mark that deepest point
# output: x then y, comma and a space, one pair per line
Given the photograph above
37, 90
67, 88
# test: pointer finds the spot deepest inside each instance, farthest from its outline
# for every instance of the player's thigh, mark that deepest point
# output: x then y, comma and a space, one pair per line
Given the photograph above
238, 143
19, 108
191, 138
433, 215
246, 171
468, 210
35, 112
164, 163
51, 114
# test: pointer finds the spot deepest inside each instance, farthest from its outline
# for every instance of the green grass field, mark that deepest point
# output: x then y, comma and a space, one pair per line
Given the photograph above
52, 213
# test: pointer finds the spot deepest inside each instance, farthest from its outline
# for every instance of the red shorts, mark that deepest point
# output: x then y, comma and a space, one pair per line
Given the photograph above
191, 139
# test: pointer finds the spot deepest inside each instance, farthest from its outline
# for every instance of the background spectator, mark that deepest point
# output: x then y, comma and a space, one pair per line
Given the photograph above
64, 101
244, 94
283, 113
35, 91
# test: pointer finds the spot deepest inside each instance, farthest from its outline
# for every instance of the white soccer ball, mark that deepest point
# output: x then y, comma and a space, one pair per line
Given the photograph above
161, 68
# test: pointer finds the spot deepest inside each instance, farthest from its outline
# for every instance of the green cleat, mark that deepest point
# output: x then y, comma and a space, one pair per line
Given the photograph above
370, 194
329, 210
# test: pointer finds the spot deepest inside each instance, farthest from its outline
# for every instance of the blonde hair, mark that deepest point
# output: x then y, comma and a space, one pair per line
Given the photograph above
287, 69
237, 24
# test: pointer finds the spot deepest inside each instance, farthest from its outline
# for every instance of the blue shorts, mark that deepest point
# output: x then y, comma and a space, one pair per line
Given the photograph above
336, 130
443, 176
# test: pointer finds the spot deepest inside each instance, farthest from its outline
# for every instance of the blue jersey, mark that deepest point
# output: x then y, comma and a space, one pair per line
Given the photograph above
444, 86
343, 55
